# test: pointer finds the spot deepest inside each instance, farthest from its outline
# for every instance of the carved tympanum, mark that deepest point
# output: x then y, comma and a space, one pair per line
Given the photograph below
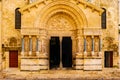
60, 21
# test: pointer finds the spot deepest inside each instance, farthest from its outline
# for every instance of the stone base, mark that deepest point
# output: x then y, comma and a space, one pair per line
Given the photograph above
78, 62
34, 63
93, 64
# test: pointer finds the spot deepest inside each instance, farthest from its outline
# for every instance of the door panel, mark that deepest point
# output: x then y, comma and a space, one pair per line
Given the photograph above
108, 59
67, 52
54, 52
13, 59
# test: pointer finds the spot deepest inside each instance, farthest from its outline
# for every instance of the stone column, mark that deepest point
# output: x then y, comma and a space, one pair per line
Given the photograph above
85, 41
30, 47
22, 52
100, 45
80, 45
37, 46
40, 46
92, 45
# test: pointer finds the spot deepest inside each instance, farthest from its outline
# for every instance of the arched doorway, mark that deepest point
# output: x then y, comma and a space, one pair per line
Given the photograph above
57, 20
60, 27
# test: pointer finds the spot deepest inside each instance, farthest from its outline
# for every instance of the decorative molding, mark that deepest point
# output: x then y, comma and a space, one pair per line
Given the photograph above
92, 31
30, 31
85, 3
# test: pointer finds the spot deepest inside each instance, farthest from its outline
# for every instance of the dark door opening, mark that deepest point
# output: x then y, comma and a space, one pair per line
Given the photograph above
108, 61
67, 52
54, 52
13, 59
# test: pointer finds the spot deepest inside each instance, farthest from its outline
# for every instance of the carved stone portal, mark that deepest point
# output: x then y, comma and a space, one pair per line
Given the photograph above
60, 21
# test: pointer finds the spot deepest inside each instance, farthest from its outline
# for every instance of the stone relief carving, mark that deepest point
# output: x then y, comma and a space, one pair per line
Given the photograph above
26, 43
89, 44
80, 44
96, 44
60, 22
43, 46
34, 44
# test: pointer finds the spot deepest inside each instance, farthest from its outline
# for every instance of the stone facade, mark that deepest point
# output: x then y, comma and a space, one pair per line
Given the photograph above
42, 19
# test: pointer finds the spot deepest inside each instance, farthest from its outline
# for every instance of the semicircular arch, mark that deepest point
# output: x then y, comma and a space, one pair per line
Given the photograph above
59, 6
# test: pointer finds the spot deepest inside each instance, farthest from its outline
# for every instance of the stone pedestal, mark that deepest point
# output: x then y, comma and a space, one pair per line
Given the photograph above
34, 63
92, 64
78, 62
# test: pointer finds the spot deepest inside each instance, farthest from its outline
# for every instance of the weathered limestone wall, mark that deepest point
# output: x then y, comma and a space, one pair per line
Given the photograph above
8, 19
7, 29
111, 7
93, 64
119, 12
0, 37
34, 64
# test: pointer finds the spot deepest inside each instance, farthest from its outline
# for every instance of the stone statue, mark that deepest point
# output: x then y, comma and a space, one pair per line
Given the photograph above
96, 44
43, 47
89, 44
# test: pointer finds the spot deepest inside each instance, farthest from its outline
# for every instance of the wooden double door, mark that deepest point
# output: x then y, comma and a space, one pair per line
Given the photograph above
60, 52
13, 59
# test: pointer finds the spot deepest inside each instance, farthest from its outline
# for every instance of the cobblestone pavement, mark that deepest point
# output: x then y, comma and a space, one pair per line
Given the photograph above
12, 74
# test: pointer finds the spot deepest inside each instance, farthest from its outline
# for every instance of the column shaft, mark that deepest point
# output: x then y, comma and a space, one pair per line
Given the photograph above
37, 47
36, 44
100, 44
85, 42
92, 45
22, 43
30, 47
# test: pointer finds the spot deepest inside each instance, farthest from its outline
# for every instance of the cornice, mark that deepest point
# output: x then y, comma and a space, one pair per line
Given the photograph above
45, 2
